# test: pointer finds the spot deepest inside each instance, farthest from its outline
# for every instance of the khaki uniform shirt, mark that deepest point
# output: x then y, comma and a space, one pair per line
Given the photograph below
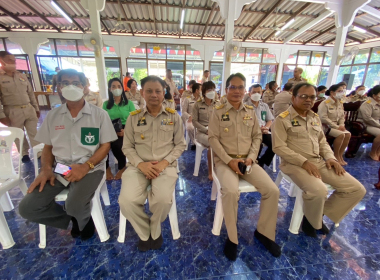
223, 99
202, 113
185, 94
187, 107
263, 113
234, 132
169, 103
320, 99
148, 138
94, 98
356, 97
369, 113
74, 141
204, 79
16, 91
296, 140
137, 99
331, 113
295, 81
282, 101
173, 88
268, 97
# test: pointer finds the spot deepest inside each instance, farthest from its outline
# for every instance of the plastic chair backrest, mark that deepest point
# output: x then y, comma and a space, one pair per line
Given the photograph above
214, 177
8, 135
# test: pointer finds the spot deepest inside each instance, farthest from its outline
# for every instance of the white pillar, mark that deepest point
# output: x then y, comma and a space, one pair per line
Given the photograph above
228, 35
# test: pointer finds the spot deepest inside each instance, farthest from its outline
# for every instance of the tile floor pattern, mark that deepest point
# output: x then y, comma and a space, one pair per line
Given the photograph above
351, 251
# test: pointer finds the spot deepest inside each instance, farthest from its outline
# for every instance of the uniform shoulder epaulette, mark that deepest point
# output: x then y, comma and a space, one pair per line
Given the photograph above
189, 96
368, 101
315, 114
217, 107
328, 101
170, 100
248, 106
96, 92
199, 100
341, 101
170, 110
135, 112
284, 114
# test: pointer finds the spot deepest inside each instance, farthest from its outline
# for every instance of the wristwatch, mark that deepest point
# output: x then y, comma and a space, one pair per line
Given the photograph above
90, 164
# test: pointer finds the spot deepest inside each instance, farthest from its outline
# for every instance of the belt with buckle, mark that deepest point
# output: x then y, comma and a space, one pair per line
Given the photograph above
18, 106
238, 156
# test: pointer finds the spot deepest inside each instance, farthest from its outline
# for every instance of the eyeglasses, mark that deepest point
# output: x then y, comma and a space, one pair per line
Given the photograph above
239, 88
66, 84
305, 97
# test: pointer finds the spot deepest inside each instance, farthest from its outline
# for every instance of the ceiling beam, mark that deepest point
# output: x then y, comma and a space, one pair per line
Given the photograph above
368, 29
76, 23
329, 41
354, 39
5, 27
16, 18
320, 34
210, 16
271, 10
183, 7
162, 5
105, 27
125, 16
40, 15
370, 10
299, 11
154, 16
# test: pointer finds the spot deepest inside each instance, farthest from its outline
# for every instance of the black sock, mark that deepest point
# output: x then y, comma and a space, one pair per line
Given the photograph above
307, 228
270, 245
230, 250
88, 230
75, 232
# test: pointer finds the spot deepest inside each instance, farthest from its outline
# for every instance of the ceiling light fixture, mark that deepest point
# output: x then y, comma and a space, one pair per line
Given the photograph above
361, 30
288, 24
59, 10
182, 19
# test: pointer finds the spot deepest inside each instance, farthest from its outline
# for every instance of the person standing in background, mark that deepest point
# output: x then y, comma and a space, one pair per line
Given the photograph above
206, 76
54, 81
91, 97
283, 100
125, 81
297, 77
173, 88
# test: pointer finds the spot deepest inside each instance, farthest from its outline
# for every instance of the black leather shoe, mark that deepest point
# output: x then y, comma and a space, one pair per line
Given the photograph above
308, 229
25, 159
270, 245
75, 232
193, 147
144, 246
156, 244
230, 250
88, 230
324, 229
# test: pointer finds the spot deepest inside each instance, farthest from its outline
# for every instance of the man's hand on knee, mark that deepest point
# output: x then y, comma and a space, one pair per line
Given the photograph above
147, 169
41, 179
339, 170
78, 171
311, 169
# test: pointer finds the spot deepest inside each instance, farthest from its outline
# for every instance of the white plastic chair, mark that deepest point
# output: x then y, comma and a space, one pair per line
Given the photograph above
96, 211
8, 179
198, 155
187, 137
295, 191
173, 218
244, 187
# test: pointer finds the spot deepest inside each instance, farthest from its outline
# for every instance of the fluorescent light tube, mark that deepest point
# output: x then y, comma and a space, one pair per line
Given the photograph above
182, 19
59, 10
287, 24
277, 33
361, 30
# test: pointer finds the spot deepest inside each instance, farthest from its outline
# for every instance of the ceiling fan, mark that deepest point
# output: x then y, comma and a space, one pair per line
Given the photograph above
120, 21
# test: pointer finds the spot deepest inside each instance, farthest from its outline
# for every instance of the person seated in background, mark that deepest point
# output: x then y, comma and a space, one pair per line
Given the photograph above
125, 81
134, 95
171, 84
357, 95
297, 77
270, 94
202, 111
321, 90
76, 134
168, 99
153, 141
234, 135
118, 108
331, 112
187, 111
247, 95
187, 92
206, 76
307, 158
265, 118
283, 100
369, 115
91, 97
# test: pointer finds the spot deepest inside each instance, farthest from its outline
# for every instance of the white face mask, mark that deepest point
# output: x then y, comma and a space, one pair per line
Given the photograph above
210, 95
256, 96
117, 92
72, 93
339, 95
361, 92
322, 94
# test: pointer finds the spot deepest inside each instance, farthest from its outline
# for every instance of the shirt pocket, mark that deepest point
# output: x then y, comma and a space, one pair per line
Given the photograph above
225, 129
315, 131
166, 133
247, 128
142, 134
8, 88
299, 133
203, 116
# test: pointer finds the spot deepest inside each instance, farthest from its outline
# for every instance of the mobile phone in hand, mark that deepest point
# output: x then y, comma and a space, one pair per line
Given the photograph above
242, 167
62, 169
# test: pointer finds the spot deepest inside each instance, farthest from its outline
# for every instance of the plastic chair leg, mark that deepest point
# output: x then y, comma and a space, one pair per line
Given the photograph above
187, 140
177, 166
98, 218
214, 191
292, 190
6, 238
198, 157
105, 195
274, 164
278, 179
23, 187
6, 202
122, 225
218, 217
297, 216
42, 231
173, 218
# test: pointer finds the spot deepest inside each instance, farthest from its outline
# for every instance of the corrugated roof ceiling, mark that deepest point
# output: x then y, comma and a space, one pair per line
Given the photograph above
202, 19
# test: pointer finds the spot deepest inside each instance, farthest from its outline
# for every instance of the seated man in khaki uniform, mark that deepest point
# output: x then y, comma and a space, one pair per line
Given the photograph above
308, 160
76, 134
153, 140
270, 94
283, 100
91, 97
188, 92
235, 136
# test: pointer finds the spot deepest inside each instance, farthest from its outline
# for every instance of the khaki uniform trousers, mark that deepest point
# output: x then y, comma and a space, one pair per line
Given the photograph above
270, 193
20, 118
134, 193
348, 192
203, 139
190, 130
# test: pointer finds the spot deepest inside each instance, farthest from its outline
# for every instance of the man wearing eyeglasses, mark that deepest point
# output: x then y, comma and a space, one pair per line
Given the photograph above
308, 160
76, 135
235, 136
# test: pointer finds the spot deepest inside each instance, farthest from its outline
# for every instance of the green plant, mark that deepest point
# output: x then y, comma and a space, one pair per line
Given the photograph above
140, 74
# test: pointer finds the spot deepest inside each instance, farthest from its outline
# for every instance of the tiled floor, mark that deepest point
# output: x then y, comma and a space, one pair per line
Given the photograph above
351, 251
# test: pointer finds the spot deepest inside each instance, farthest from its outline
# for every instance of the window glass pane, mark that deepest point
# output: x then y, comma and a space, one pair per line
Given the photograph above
46, 68
253, 55
192, 54
373, 75
218, 56
349, 62
323, 76
137, 68
178, 73
85, 65
156, 51
304, 57
317, 58
342, 71
157, 68
176, 52
216, 73
287, 74
2, 47
327, 60
268, 74
47, 48
83, 50
358, 71
250, 71
362, 57
194, 71
112, 68
66, 47
375, 55
292, 59
268, 57
239, 56
311, 73
22, 63
13, 48
139, 51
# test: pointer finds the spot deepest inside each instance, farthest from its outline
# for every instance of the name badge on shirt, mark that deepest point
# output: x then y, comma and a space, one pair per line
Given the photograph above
89, 136
263, 115
22, 79
225, 117
295, 123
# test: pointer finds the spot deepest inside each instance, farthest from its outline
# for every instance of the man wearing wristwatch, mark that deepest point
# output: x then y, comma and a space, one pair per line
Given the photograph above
76, 134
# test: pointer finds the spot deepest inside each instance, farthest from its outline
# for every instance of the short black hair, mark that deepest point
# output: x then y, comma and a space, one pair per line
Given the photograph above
168, 70
271, 84
359, 87
127, 74
194, 87
342, 83
111, 101
301, 85
72, 72
206, 71
237, 75
206, 86
320, 88
4, 54
288, 86
152, 78
130, 81
191, 83
255, 86
333, 88
373, 91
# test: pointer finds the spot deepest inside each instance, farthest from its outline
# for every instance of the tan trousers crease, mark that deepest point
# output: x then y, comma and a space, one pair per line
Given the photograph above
229, 181
347, 192
134, 193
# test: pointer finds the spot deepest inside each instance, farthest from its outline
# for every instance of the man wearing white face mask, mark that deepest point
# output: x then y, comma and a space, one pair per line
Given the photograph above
265, 118
78, 135
18, 105
357, 95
